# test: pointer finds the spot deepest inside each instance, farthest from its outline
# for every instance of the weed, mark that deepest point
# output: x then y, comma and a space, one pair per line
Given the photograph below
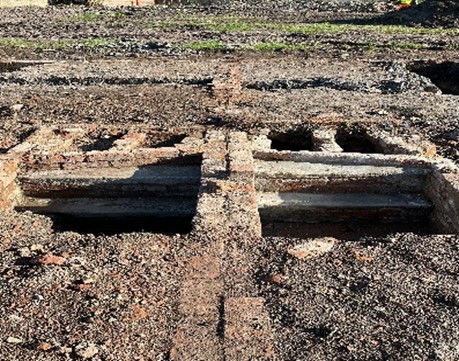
240, 24
210, 45
53, 44
276, 46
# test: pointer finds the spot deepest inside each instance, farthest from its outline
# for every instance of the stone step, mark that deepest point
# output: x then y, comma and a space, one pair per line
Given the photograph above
326, 207
272, 176
111, 207
157, 180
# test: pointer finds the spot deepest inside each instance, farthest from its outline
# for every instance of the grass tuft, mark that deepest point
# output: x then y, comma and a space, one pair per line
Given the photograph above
241, 24
276, 46
210, 45
54, 44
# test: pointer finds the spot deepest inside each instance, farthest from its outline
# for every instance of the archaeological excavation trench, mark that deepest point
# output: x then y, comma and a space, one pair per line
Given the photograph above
347, 195
220, 192
345, 183
93, 196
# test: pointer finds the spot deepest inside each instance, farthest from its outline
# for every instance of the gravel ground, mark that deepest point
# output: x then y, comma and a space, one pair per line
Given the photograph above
258, 91
395, 299
78, 296
66, 295
434, 13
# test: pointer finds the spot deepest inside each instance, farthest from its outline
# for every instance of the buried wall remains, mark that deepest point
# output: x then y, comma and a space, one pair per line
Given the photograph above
348, 194
175, 183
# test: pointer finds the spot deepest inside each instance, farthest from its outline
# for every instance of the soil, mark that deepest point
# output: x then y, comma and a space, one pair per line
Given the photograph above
362, 283
433, 13
67, 295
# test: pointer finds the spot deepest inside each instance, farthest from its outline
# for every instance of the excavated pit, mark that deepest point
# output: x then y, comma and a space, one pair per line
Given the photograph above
293, 140
337, 189
340, 140
349, 196
307, 200
14, 65
158, 140
159, 198
12, 139
101, 142
110, 181
444, 75
124, 224
357, 141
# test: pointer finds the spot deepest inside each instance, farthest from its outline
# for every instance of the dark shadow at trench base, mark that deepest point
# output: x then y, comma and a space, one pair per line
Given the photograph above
115, 225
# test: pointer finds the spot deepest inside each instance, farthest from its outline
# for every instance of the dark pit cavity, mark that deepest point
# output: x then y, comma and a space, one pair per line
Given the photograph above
102, 142
346, 216
159, 140
159, 198
115, 225
293, 141
13, 140
444, 75
8, 144
9, 66
344, 231
357, 141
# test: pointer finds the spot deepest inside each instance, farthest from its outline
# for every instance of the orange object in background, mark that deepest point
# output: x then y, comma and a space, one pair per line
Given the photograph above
403, 6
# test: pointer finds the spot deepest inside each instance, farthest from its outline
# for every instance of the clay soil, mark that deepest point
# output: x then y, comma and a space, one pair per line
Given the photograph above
117, 297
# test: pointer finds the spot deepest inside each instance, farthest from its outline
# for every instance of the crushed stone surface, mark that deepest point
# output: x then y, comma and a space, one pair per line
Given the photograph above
70, 296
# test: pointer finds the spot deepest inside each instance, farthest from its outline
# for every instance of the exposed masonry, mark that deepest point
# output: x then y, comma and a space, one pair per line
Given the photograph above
231, 184
211, 175
399, 187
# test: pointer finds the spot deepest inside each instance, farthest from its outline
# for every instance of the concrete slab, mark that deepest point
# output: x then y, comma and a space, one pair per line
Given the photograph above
318, 208
111, 207
272, 176
157, 180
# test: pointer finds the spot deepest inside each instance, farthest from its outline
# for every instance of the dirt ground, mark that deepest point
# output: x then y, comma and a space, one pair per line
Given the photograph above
118, 297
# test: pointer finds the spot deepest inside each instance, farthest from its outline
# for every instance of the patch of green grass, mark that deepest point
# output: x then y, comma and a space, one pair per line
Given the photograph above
34, 44
93, 43
276, 46
240, 24
53, 44
210, 45
14, 42
213, 45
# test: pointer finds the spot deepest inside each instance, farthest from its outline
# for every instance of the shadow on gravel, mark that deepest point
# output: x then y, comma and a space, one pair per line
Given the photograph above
432, 13
444, 75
